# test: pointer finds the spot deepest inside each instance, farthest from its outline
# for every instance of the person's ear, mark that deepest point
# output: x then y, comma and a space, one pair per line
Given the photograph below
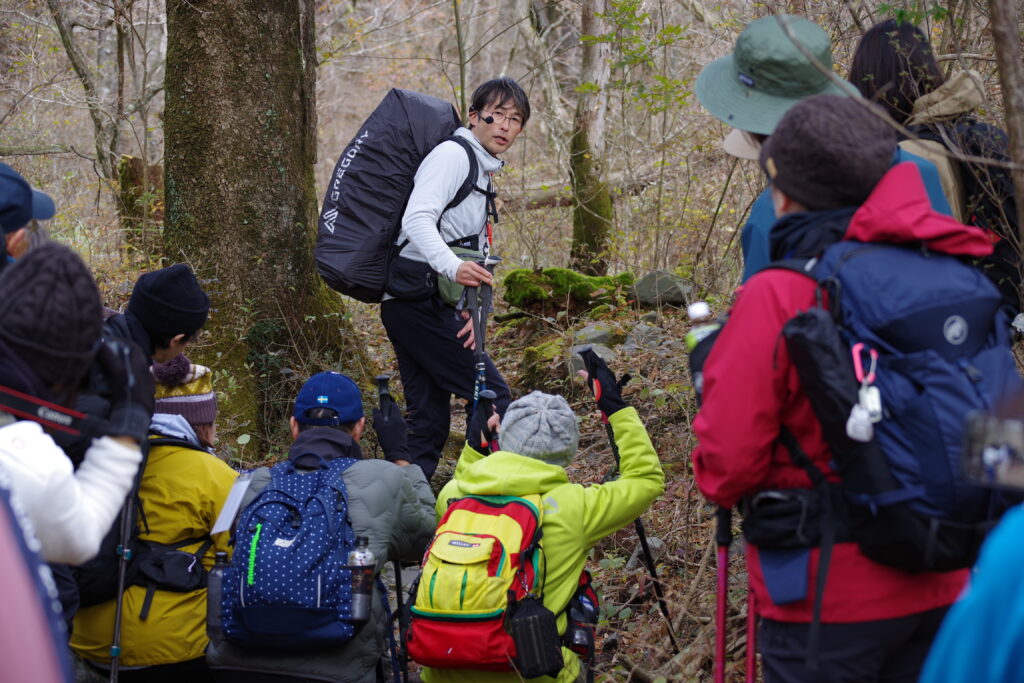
784, 204
294, 424
17, 243
472, 118
358, 429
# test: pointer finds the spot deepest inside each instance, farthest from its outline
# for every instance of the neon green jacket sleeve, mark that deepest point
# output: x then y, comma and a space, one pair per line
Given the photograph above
609, 507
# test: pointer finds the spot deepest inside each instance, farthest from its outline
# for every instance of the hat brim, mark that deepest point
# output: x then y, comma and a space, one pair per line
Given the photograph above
739, 144
43, 208
721, 93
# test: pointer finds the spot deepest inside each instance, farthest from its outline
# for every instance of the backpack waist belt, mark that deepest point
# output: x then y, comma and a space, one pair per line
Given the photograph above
784, 519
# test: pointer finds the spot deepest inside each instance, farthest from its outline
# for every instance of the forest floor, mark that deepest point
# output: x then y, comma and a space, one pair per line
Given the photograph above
633, 641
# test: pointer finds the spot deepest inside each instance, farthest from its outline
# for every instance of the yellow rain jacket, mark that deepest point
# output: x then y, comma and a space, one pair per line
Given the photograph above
576, 517
182, 491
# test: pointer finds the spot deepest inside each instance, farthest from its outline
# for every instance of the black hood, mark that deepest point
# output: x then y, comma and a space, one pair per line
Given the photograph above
326, 442
805, 235
127, 326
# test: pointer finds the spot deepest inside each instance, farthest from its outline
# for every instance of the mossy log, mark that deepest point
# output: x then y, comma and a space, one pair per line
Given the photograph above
551, 289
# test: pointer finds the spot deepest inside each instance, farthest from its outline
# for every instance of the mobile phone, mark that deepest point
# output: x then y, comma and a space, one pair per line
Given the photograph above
994, 451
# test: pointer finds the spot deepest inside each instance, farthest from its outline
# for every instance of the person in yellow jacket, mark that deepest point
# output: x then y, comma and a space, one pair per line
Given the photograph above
182, 490
538, 439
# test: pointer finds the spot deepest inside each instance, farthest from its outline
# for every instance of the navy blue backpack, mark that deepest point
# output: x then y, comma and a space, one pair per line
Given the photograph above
287, 586
932, 328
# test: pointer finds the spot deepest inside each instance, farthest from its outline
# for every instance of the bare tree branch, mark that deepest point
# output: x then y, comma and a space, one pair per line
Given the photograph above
34, 151
103, 130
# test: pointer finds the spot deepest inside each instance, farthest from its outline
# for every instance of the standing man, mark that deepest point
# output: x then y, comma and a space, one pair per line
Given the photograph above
434, 341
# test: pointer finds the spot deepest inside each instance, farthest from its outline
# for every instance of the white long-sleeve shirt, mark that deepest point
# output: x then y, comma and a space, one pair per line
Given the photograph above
70, 511
438, 179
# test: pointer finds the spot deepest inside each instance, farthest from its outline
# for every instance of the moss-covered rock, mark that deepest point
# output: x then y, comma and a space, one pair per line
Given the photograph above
562, 289
541, 366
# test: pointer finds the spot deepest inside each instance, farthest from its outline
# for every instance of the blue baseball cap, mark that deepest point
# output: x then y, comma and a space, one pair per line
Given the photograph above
329, 390
19, 203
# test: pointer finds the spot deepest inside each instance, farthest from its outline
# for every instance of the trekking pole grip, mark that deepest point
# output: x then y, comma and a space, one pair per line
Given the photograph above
383, 394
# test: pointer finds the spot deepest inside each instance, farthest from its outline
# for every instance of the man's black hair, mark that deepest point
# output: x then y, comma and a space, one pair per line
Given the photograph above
894, 64
501, 92
322, 413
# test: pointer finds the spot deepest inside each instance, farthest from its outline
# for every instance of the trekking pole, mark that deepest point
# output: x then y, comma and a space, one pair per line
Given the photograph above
723, 537
473, 306
383, 398
479, 300
751, 636
383, 394
124, 553
638, 523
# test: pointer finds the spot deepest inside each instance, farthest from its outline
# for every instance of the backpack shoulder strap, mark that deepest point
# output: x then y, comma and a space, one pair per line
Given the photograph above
804, 266
469, 184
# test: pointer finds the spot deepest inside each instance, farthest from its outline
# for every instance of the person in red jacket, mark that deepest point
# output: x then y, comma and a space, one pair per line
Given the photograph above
829, 162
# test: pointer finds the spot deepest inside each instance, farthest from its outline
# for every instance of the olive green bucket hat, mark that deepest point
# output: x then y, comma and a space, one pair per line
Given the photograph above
767, 74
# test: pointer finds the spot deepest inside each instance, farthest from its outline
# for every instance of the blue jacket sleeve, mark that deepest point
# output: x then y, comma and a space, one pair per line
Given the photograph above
756, 236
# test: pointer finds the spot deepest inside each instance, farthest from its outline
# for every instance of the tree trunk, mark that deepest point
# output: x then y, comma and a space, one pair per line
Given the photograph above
240, 131
592, 211
1006, 36
140, 204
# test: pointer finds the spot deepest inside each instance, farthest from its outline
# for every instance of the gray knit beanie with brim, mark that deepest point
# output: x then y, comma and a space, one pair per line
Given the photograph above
541, 426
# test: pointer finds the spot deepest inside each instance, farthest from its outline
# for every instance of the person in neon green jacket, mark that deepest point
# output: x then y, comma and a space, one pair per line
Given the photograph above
539, 435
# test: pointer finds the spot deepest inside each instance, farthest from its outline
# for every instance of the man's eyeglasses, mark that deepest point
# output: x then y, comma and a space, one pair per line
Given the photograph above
514, 122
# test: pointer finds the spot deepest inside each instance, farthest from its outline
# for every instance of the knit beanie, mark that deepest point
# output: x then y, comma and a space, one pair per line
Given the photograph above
541, 426
829, 152
50, 313
186, 389
169, 302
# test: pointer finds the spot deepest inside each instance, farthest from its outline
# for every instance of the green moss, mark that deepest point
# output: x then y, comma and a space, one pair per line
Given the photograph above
539, 365
530, 288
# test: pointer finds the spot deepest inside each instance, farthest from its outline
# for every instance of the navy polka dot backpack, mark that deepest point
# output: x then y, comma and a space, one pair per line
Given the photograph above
288, 586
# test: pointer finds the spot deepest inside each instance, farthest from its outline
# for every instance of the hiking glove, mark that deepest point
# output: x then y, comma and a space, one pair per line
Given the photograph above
132, 389
391, 431
607, 391
479, 435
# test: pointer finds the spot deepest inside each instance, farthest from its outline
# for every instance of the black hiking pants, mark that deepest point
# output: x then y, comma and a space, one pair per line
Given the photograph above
434, 365
883, 651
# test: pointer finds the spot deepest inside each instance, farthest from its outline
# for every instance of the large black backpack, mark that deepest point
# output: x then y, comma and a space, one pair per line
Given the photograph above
367, 194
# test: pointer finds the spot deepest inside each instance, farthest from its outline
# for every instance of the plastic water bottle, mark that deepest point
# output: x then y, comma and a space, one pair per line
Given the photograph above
214, 589
362, 564
579, 632
699, 341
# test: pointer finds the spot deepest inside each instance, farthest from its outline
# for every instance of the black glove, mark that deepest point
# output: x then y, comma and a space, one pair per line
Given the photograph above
607, 391
478, 434
391, 431
132, 389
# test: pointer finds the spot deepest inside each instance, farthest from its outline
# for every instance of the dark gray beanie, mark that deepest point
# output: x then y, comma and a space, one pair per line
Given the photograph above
829, 152
541, 426
50, 313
